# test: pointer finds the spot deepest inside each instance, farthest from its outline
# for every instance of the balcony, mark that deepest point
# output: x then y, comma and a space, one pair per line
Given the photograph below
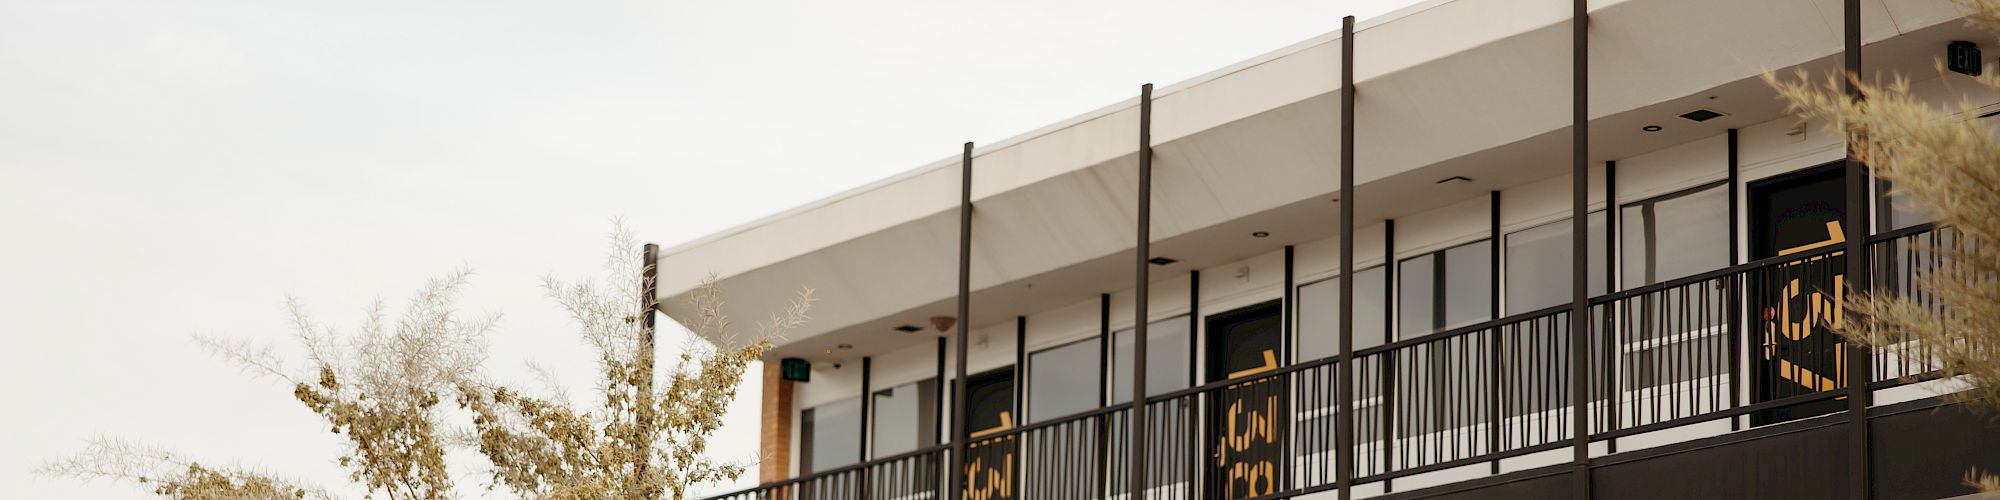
1708, 355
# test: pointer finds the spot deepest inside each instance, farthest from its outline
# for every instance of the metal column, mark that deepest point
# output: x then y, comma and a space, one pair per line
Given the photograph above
1137, 416
1579, 312
958, 430
1344, 432
1859, 372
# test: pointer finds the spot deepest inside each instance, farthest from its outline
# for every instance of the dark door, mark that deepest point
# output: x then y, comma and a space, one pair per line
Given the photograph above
989, 410
1796, 305
1246, 420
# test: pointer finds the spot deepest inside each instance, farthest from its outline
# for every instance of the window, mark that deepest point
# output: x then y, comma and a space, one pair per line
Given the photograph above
1539, 264
1447, 289
1063, 380
1674, 335
905, 418
831, 435
1674, 236
1167, 367
1316, 404
1319, 314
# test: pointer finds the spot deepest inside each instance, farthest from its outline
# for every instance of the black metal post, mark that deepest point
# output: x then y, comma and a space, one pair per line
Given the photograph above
937, 390
1289, 310
958, 430
1020, 393
1344, 417
1859, 372
1388, 368
867, 401
1493, 358
1201, 446
1021, 368
1579, 312
1144, 253
1103, 429
1608, 357
1735, 292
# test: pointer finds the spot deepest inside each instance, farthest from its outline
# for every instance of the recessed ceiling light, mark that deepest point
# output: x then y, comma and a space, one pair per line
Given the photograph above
1454, 179
1702, 115
1650, 128
1161, 261
844, 347
1260, 234
908, 328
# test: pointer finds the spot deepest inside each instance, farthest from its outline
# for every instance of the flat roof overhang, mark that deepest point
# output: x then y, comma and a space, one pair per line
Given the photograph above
1474, 88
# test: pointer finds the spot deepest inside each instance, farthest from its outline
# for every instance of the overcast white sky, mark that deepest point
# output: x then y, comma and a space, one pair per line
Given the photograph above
171, 167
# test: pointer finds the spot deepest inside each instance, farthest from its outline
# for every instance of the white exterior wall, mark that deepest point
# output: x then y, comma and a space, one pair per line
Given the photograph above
1764, 150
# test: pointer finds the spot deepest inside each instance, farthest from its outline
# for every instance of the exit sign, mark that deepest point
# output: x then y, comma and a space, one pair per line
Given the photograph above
1963, 57
795, 369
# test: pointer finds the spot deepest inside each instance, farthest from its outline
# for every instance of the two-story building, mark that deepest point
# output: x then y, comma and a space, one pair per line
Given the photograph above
1718, 226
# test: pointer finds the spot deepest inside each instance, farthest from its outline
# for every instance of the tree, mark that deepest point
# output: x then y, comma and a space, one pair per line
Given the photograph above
379, 388
1948, 163
382, 389
641, 442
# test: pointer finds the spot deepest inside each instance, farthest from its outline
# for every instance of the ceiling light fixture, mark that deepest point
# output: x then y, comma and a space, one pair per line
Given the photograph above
845, 347
1454, 179
1650, 128
1260, 234
908, 328
1161, 261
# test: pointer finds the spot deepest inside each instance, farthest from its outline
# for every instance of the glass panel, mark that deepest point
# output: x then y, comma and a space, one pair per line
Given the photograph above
1539, 264
1902, 211
1167, 366
1319, 315
1468, 284
1061, 380
831, 435
1675, 236
905, 418
1415, 278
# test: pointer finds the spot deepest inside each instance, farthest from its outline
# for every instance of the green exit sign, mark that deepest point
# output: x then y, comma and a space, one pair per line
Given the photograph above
795, 369
1963, 57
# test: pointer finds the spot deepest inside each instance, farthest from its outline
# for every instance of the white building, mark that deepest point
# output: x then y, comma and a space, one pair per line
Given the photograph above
1713, 372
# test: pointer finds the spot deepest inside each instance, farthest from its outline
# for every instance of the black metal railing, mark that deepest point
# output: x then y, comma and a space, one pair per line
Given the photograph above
1751, 341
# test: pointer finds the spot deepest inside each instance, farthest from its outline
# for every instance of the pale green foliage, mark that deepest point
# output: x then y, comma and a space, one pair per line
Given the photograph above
639, 442
1949, 164
173, 476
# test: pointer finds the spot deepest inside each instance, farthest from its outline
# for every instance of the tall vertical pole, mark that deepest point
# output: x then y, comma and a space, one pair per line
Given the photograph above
867, 401
958, 430
1859, 372
649, 302
937, 395
1609, 378
1735, 291
1388, 368
1344, 416
1102, 427
1493, 347
1579, 311
1138, 460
